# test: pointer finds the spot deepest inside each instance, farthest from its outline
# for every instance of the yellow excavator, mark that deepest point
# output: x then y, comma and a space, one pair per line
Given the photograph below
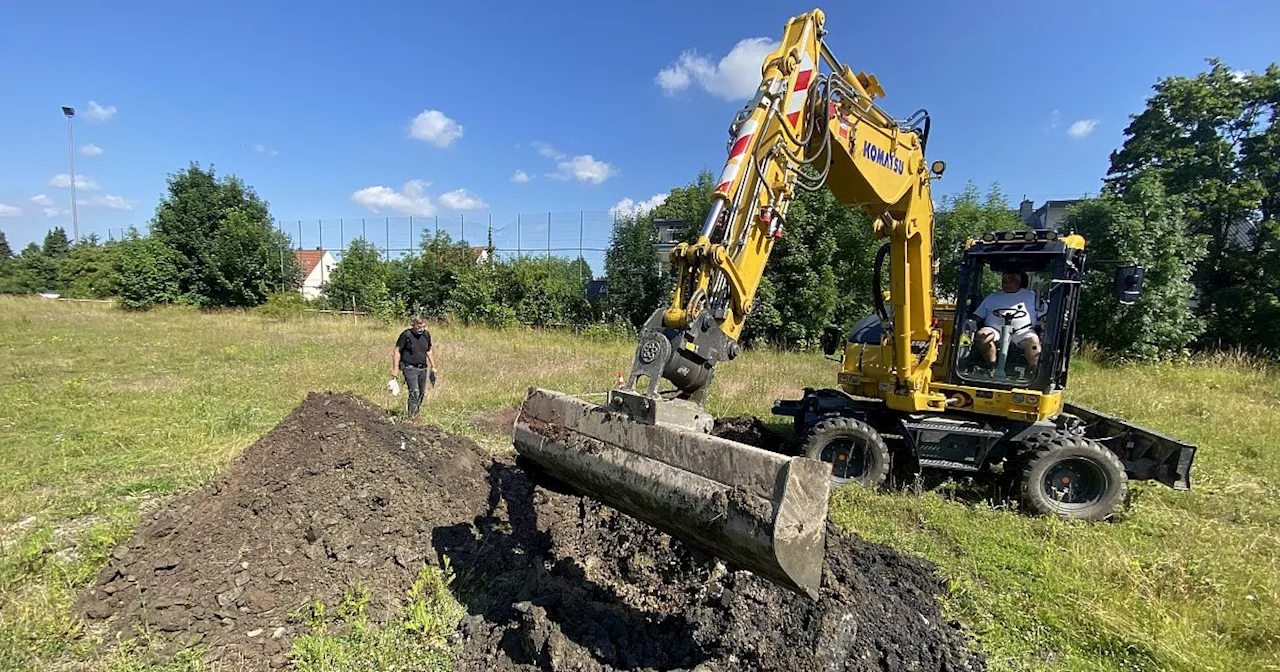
956, 386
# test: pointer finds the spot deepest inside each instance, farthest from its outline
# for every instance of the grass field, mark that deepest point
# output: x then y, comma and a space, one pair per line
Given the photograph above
104, 413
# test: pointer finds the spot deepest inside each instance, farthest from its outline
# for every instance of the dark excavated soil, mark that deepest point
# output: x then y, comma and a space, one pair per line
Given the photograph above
339, 493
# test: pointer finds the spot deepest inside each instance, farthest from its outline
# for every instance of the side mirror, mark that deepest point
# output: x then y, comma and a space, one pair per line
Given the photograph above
831, 339
1128, 284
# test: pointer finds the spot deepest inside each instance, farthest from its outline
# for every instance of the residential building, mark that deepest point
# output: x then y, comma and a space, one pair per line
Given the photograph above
668, 236
1048, 216
317, 265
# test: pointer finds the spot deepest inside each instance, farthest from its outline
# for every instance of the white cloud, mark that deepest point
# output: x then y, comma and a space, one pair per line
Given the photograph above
63, 181
91, 150
99, 113
461, 199
106, 201
10, 210
1055, 118
434, 127
47, 205
412, 200
547, 150
629, 207
1239, 75
734, 77
585, 169
521, 177
1082, 128
262, 149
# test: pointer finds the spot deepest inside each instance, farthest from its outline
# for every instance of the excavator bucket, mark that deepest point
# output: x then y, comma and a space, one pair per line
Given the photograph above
755, 509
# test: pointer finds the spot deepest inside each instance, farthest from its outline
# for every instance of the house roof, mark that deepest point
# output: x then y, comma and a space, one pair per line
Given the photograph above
308, 260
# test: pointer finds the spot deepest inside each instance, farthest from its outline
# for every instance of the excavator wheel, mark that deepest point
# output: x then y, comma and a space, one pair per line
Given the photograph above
855, 450
1071, 476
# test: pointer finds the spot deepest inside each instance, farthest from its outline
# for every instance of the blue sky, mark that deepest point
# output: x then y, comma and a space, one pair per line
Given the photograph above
334, 110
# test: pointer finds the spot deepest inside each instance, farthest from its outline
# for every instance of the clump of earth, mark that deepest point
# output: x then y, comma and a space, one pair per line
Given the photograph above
340, 492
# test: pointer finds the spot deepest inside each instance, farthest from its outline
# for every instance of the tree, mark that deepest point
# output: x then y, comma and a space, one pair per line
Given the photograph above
1203, 137
799, 289
432, 274
228, 251
631, 267
359, 280
145, 272
6, 252
87, 272
56, 244
547, 291
478, 299
1149, 227
29, 272
690, 203
963, 217
247, 256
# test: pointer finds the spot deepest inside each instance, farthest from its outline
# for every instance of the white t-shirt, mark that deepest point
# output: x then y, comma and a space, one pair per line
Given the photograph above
1023, 299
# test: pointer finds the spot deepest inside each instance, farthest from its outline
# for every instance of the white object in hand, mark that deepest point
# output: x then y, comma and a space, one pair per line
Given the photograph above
394, 387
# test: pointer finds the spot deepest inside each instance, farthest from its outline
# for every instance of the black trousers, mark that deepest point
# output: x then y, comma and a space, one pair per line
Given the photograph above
415, 378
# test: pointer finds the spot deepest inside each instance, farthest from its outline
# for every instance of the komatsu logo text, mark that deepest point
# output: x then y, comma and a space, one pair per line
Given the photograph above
886, 159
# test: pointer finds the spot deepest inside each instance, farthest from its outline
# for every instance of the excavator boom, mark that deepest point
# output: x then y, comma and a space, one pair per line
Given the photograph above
648, 452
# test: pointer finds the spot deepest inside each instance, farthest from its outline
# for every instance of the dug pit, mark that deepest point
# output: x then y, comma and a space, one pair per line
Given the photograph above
340, 493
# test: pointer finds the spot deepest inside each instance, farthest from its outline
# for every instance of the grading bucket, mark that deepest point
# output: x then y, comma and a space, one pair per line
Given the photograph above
755, 509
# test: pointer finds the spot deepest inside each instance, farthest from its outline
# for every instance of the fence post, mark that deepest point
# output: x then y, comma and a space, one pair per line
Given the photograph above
411, 232
280, 228
437, 226
582, 215
387, 221
299, 234
518, 253
463, 219
364, 233
548, 234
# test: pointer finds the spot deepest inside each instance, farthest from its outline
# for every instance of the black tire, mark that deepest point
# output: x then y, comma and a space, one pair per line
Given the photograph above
1094, 478
834, 438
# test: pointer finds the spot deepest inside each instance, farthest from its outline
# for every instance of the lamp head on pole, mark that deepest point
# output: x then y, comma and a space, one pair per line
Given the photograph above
69, 111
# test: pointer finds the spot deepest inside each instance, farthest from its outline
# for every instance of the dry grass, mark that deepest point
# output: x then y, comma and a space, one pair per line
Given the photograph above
103, 413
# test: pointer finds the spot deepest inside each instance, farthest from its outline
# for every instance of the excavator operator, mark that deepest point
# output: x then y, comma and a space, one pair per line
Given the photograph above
1017, 303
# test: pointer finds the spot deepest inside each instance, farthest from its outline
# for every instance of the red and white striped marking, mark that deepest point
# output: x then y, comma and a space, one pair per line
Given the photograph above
795, 101
737, 155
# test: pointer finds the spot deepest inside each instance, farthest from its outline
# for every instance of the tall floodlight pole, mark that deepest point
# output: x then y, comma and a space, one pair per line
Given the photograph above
71, 156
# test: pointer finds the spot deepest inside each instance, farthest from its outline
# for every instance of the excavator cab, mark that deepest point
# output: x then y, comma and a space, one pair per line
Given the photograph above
1016, 299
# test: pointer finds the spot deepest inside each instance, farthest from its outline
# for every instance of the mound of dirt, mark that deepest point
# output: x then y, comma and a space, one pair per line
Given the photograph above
334, 494
339, 493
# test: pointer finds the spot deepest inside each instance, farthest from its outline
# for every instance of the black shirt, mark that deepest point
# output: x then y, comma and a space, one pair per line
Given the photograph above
413, 347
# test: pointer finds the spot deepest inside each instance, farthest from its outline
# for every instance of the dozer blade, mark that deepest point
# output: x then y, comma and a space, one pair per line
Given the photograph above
755, 509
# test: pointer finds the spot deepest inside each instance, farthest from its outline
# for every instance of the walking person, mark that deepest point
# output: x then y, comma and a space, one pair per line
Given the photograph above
412, 356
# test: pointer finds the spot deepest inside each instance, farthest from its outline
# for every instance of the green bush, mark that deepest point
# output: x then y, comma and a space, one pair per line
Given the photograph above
284, 305
145, 273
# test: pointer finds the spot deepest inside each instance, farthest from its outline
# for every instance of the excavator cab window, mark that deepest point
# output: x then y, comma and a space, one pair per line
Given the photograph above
1009, 318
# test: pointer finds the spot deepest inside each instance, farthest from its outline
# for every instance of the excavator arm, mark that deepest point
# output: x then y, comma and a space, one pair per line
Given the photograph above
650, 454
803, 129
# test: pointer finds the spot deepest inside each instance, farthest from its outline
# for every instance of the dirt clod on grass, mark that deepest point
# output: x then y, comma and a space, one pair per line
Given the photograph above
339, 493
750, 430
